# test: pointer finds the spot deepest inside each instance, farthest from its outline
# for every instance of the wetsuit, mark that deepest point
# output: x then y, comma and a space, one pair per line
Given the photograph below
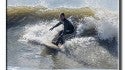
68, 29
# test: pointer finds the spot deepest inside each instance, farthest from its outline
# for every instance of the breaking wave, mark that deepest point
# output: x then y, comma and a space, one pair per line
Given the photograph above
96, 38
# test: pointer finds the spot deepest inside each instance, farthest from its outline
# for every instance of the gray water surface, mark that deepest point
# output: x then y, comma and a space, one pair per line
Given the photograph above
28, 56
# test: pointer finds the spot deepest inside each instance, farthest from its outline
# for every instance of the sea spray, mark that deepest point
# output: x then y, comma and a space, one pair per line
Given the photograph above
88, 51
106, 27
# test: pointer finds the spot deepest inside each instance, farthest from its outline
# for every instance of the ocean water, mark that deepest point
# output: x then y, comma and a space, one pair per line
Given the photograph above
93, 45
109, 4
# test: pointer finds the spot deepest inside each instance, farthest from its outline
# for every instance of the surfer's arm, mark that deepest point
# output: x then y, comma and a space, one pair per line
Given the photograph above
56, 25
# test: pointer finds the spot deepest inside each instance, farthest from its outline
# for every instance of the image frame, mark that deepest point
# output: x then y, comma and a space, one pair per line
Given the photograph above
120, 35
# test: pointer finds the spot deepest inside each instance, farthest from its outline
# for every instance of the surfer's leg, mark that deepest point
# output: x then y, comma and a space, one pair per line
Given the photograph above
57, 38
67, 35
61, 35
61, 41
60, 38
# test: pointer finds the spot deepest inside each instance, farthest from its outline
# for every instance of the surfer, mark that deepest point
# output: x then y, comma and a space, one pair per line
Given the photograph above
68, 29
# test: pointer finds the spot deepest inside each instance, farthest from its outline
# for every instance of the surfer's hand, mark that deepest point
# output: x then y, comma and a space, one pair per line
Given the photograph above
51, 29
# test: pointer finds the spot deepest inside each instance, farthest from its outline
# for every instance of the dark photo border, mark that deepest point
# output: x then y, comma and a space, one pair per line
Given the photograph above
120, 34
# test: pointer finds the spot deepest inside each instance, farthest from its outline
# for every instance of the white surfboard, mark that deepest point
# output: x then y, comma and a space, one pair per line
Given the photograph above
51, 45
48, 44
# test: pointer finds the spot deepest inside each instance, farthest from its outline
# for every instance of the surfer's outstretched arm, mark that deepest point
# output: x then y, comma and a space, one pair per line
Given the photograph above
55, 26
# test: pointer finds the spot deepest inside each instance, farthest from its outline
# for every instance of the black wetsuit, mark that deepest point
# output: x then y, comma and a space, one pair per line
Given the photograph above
68, 29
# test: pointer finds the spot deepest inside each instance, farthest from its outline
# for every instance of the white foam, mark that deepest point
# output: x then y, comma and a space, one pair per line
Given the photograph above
108, 24
40, 32
105, 22
88, 50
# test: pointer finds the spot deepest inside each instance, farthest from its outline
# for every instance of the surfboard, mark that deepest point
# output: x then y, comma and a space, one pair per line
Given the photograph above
47, 44
51, 45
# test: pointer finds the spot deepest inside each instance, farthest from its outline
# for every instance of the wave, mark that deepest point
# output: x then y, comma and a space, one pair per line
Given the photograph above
17, 14
14, 12
93, 25
106, 26
87, 50
88, 18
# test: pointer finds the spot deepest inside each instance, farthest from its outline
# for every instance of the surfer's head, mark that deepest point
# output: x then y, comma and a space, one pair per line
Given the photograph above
62, 16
